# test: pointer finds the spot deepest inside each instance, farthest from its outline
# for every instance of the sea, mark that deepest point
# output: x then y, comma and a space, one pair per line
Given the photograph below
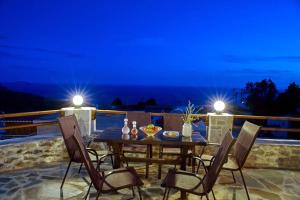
102, 96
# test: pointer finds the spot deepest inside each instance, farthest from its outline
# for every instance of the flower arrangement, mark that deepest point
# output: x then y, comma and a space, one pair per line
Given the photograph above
188, 114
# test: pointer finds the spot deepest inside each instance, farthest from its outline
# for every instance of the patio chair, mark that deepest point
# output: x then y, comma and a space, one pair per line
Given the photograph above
172, 122
106, 181
241, 150
192, 183
142, 119
67, 125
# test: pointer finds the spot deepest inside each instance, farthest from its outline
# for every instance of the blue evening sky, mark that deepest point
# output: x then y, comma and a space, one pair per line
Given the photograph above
189, 43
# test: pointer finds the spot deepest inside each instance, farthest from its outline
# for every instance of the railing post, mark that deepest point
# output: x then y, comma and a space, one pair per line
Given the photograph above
218, 125
86, 117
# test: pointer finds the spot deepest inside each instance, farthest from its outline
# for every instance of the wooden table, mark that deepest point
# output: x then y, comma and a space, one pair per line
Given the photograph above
117, 140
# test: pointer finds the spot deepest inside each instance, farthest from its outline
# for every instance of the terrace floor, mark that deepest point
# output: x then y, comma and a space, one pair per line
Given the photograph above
44, 183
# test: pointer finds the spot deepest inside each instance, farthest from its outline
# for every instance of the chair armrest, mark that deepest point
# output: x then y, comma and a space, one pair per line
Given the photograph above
173, 172
200, 162
93, 152
213, 144
113, 154
212, 160
124, 158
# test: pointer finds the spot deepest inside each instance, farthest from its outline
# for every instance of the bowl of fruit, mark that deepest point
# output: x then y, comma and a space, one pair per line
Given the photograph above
150, 130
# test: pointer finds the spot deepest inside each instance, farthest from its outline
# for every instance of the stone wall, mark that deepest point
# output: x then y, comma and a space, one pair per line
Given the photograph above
274, 156
268, 155
30, 154
46, 152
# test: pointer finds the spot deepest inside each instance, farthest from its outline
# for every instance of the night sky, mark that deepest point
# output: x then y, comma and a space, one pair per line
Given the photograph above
189, 43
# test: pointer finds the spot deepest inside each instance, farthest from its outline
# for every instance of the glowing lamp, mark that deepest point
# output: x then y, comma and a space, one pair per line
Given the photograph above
219, 106
77, 100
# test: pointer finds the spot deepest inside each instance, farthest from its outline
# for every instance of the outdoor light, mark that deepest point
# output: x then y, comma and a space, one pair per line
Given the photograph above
77, 100
219, 106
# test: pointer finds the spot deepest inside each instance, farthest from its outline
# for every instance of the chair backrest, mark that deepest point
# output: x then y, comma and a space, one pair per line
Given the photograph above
141, 118
245, 142
68, 125
173, 122
93, 173
214, 170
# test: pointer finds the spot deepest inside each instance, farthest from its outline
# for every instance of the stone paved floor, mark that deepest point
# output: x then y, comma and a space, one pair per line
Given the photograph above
44, 183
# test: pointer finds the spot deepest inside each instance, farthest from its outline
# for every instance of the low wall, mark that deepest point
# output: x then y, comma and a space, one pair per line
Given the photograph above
283, 156
269, 154
16, 156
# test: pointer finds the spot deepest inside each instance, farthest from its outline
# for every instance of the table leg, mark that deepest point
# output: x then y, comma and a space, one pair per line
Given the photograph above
117, 150
193, 160
183, 153
148, 156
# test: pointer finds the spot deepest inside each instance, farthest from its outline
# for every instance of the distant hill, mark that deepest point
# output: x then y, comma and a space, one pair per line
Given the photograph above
13, 101
101, 96
53, 91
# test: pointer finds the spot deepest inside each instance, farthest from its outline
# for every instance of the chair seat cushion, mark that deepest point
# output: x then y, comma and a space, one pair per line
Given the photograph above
231, 163
100, 153
206, 157
183, 180
120, 178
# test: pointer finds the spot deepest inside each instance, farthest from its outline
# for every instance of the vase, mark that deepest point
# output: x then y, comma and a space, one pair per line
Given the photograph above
187, 130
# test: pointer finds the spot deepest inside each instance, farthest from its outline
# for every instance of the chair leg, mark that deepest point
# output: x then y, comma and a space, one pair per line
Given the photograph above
132, 189
98, 166
87, 193
168, 193
80, 168
213, 194
244, 184
139, 190
233, 177
62, 184
98, 194
198, 167
112, 160
165, 193
207, 196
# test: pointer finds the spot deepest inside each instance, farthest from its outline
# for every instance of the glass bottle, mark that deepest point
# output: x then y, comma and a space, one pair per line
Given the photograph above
134, 130
125, 129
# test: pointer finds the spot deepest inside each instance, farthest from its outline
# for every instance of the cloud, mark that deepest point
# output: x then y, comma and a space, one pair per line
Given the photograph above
252, 59
144, 41
5, 54
251, 71
18, 67
3, 37
43, 50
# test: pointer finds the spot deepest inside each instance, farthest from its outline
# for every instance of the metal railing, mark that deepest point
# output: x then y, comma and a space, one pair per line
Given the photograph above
203, 117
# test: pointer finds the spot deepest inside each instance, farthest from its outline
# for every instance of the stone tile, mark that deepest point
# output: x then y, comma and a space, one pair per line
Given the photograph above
270, 186
290, 197
292, 189
4, 179
44, 183
265, 194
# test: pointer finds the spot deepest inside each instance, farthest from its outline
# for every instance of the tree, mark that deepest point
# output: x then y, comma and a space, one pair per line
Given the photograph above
261, 97
151, 102
289, 100
117, 102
